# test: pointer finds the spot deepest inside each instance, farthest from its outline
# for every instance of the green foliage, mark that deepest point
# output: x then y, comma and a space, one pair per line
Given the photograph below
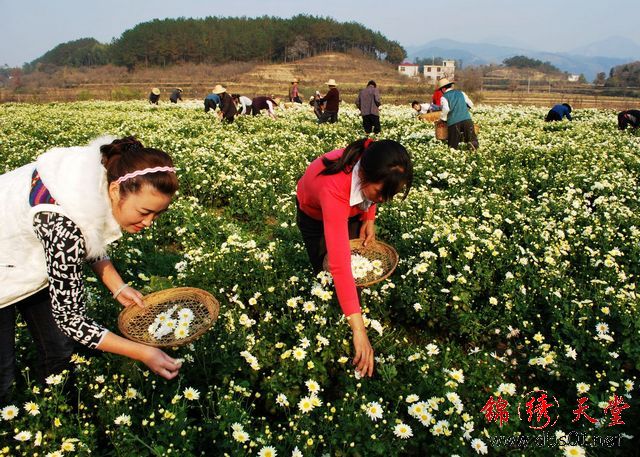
527, 62
627, 75
84, 52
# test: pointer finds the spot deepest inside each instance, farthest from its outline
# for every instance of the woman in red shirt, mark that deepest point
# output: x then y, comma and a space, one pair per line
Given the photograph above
336, 201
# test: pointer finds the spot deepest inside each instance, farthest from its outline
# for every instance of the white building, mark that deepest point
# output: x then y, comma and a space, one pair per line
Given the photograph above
573, 78
408, 68
435, 72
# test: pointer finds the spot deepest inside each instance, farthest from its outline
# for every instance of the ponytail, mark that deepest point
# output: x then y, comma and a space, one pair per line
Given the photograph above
347, 160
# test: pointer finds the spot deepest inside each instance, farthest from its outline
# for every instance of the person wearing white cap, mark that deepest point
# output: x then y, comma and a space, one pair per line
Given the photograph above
332, 102
455, 112
154, 96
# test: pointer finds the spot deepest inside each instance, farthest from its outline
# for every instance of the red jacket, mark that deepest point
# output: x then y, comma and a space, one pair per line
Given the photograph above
437, 95
326, 198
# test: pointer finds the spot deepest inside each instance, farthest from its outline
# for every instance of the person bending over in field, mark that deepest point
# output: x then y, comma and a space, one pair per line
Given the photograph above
263, 103
61, 212
336, 201
455, 112
176, 95
559, 112
243, 104
629, 118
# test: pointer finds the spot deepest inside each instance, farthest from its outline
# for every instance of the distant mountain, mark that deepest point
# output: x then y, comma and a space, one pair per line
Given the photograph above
615, 46
485, 53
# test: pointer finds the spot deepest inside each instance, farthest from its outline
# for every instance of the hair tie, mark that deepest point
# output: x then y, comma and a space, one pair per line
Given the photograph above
145, 171
367, 142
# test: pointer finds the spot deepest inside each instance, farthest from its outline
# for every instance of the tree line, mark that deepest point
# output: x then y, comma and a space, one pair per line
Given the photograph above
214, 40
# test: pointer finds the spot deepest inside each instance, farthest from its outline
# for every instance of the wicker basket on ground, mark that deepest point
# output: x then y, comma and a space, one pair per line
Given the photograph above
442, 133
134, 321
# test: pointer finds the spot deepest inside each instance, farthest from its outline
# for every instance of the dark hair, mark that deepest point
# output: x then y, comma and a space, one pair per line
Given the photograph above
384, 161
568, 106
372, 83
127, 155
415, 102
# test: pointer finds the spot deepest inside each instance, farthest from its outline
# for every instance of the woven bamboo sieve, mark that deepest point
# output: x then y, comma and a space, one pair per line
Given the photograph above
374, 250
134, 321
442, 132
429, 117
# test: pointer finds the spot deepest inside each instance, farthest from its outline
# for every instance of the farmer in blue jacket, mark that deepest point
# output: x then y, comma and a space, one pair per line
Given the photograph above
558, 112
455, 112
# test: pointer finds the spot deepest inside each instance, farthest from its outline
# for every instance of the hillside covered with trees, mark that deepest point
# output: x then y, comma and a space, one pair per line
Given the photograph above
214, 40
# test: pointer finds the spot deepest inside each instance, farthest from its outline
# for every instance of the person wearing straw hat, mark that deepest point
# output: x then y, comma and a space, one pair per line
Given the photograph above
455, 112
331, 102
228, 109
154, 96
336, 201
61, 212
294, 94
176, 95
368, 102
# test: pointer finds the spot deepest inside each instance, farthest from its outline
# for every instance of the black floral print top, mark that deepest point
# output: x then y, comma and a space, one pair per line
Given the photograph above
65, 252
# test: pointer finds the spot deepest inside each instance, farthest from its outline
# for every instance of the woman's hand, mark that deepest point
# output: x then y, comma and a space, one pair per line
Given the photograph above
130, 296
363, 358
368, 232
160, 363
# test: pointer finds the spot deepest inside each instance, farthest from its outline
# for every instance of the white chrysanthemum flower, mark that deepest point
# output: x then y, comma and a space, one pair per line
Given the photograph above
306, 404
123, 419
313, 386
374, 410
267, 451
185, 314
574, 451
296, 453
236, 427
191, 394
412, 398
54, 379
432, 349
10, 412
282, 400
180, 333
32, 408
479, 446
240, 436
299, 353
602, 327
22, 436
403, 431
131, 393
308, 307
507, 388
582, 388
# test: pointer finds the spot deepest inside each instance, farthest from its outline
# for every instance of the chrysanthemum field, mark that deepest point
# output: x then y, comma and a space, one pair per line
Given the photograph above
518, 271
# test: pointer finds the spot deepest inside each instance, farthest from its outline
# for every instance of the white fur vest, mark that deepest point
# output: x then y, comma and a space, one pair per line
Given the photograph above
77, 181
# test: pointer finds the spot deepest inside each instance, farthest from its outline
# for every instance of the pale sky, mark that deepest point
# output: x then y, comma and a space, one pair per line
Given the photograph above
32, 27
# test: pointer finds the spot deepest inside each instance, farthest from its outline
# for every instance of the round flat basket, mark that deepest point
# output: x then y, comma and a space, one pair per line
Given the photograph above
171, 317
434, 116
375, 250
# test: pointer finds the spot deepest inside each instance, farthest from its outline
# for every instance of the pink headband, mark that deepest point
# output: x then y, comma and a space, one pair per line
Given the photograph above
133, 174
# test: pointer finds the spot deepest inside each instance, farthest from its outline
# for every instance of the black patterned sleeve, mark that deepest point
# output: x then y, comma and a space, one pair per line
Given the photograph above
65, 252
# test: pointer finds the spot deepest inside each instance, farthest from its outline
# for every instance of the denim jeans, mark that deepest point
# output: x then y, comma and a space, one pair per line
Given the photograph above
54, 347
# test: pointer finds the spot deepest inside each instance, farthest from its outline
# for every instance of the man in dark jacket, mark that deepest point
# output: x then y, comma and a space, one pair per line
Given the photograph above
630, 117
211, 102
176, 95
332, 102
228, 109
368, 102
558, 112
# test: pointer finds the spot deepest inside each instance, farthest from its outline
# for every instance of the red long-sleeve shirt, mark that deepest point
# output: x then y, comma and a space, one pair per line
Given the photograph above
326, 198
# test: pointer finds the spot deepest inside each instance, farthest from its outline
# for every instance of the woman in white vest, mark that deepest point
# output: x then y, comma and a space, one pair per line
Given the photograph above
58, 213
